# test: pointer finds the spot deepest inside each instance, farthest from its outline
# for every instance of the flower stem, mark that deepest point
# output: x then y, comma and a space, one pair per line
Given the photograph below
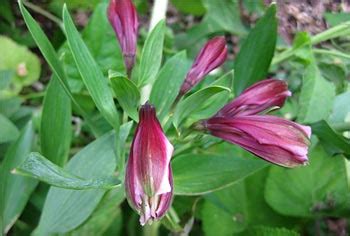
41, 11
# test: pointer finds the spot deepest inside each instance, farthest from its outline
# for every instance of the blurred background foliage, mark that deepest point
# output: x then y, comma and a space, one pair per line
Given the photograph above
270, 200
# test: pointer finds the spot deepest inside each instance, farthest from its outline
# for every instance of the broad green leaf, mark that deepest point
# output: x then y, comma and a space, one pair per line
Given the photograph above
126, 93
39, 167
341, 109
241, 207
104, 216
16, 190
5, 78
9, 131
20, 60
223, 15
56, 128
267, 231
151, 56
196, 174
254, 58
332, 141
100, 38
65, 210
168, 84
195, 103
194, 7
313, 106
51, 57
91, 74
321, 188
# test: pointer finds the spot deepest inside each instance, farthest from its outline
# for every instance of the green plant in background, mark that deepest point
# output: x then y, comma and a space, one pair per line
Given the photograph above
59, 178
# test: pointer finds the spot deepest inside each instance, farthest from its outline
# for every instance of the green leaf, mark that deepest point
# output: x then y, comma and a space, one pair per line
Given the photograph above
212, 105
314, 107
38, 167
126, 93
254, 58
168, 84
51, 57
100, 38
341, 109
194, 103
5, 78
267, 231
105, 215
321, 188
194, 7
15, 190
196, 174
223, 15
151, 56
241, 207
65, 209
333, 142
56, 128
20, 60
9, 131
91, 74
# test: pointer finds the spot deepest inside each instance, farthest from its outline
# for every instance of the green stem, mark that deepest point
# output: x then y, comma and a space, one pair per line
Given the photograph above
331, 53
43, 12
334, 32
341, 127
151, 230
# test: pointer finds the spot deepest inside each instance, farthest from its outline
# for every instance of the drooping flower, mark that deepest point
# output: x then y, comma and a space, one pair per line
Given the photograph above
274, 139
211, 56
148, 180
123, 17
257, 98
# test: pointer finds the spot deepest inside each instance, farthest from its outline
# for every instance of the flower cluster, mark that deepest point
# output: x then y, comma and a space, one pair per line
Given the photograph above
148, 180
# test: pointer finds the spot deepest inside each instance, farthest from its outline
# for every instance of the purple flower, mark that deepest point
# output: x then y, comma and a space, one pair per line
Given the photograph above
274, 139
211, 56
148, 179
257, 98
123, 17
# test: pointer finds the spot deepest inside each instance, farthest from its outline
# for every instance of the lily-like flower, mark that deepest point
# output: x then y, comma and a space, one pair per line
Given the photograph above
211, 56
274, 139
257, 98
148, 180
123, 17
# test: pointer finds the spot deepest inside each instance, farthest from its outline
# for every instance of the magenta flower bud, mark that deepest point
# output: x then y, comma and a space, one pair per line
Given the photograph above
274, 139
123, 17
211, 56
148, 179
257, 98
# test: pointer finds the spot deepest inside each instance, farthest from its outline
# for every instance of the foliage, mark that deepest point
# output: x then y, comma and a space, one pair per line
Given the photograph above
67, 116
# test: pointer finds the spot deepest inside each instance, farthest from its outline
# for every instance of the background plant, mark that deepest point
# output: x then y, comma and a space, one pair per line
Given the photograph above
60, 110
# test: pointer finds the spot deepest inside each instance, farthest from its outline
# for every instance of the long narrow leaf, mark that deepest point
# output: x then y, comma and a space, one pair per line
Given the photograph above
56, 128
194, 103
38, 167
51, 57
254, 58
91, 74
151, 57
15, 190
